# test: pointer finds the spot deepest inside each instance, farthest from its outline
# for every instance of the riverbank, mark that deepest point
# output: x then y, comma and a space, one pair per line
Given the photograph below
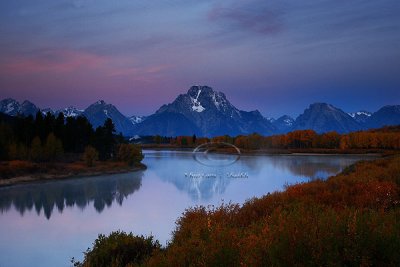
273, 151
18, 172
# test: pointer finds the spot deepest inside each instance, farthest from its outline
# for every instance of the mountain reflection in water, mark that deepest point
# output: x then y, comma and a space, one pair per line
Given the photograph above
170, 167
102, 191
203, 182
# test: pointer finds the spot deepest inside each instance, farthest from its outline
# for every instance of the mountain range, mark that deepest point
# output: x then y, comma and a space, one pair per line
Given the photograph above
205, 112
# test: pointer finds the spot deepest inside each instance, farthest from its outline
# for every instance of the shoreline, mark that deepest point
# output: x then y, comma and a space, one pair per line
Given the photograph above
45, 177
268, 152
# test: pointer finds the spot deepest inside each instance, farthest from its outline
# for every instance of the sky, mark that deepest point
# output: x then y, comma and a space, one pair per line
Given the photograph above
274, 56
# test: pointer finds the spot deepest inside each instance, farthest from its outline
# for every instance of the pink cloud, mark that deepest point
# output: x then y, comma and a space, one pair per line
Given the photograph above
54, 61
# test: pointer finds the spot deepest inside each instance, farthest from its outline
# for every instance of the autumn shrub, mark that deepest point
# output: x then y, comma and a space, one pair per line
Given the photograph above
118, 250
90, 155
53, 148
130, 153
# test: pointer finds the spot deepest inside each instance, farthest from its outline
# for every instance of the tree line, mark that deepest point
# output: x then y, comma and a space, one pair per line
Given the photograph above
50, 138
383, 138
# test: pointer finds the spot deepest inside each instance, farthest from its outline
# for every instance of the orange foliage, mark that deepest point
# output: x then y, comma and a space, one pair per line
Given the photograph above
385, 138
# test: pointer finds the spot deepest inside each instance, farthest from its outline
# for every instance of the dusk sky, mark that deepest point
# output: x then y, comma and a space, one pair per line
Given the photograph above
274, 56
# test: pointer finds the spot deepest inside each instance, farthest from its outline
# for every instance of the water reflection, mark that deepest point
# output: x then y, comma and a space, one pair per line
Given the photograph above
205, 182
313, 167
189, 176
178, 168
102, 191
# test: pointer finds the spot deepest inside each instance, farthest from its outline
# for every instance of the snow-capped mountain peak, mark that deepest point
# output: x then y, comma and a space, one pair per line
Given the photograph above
203, 111
283, 124
10, 106
70, 111
137, 119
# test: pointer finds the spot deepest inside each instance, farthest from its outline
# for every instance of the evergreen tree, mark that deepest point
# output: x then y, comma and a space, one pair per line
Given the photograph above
40, 130
6, 135
59, 127
194, 138
105, 140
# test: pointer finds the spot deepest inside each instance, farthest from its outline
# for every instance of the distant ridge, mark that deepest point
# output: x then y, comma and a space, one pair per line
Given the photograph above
206, 112
323, 117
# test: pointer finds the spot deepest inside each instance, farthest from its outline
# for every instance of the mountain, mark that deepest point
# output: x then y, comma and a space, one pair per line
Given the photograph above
203, 111
98, 112
12, 107
9, 106
322, 117
360, 116
387, 115
28, 108
283, 124
70, 112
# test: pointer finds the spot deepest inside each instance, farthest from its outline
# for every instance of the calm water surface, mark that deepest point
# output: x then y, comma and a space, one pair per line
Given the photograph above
45, 224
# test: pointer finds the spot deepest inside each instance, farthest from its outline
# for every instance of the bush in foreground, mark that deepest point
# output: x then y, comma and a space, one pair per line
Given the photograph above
119, 249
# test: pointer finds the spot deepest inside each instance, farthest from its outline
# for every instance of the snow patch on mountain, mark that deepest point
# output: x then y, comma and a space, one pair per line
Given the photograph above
214, 98
360, 113
137, 119
71, 111
196, 103
10, 107
288, 122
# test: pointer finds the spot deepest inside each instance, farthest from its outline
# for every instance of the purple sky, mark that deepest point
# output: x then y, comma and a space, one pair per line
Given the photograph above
274, 56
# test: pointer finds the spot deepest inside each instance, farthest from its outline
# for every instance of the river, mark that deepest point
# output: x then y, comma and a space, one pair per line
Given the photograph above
48, 223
